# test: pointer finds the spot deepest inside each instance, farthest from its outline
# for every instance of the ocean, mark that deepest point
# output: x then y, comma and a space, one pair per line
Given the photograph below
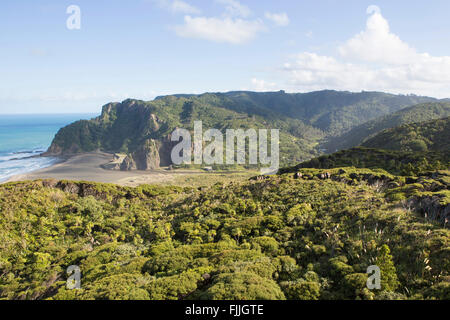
24, 136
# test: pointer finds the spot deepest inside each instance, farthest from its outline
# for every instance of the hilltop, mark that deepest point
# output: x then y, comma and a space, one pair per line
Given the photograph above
142, 130
333, 112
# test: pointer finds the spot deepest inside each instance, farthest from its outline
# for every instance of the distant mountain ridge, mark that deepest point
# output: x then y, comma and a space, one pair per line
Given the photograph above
334, 112
142, 129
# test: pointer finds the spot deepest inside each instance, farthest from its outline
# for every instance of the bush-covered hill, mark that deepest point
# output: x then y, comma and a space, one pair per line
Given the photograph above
406, 150
311, 236
395, 162
359, 134
333, 112
431, 136
142, 129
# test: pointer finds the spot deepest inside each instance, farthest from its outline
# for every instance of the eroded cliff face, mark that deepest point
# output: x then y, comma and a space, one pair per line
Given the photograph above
165, 150
130, 128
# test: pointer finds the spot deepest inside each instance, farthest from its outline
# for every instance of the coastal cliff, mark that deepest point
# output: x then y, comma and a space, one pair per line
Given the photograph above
142, 131
129, 128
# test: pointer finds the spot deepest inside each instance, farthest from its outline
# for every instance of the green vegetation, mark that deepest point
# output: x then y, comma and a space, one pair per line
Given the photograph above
142, 129
308, 233
396, 162
333, 112
406, 150
209, 179
282, 237
431, 136
360, 134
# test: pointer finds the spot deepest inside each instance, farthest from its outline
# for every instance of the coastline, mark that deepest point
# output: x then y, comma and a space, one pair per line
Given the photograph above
87, 167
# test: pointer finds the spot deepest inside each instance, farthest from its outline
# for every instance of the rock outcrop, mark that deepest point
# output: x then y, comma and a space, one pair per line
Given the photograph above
128, 164
139, 138
432, 208
147, 156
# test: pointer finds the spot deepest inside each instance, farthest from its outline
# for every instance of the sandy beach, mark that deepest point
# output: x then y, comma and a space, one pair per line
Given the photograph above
87, 167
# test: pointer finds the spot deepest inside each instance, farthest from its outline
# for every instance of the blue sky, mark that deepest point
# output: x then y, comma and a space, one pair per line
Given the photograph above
144, 48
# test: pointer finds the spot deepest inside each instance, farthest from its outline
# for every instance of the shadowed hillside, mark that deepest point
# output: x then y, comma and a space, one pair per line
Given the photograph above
431, 136
359, 134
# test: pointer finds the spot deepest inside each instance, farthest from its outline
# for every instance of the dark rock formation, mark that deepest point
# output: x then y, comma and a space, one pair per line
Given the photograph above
147, 156
128, 164
432, 208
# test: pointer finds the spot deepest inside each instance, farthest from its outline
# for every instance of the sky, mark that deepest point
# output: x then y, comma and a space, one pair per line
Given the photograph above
145, 48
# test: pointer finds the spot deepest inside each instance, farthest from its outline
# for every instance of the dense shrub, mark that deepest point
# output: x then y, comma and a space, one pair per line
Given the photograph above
279, 238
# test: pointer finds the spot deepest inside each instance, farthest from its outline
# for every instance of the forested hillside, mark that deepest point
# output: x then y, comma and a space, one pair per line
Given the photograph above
333, 112
142, 129
406, 150
431, 136
308, 236
308, 233
359, 134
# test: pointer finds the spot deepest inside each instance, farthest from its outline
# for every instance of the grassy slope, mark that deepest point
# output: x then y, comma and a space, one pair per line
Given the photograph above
333, 112
409, 149
271, 238
395, 162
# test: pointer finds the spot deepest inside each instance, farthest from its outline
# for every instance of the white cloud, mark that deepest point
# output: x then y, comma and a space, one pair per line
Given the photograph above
229, 30
235, 8
377, 44
280, 19
232, 26
374, 59
178, 6
181, 6
310, 71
